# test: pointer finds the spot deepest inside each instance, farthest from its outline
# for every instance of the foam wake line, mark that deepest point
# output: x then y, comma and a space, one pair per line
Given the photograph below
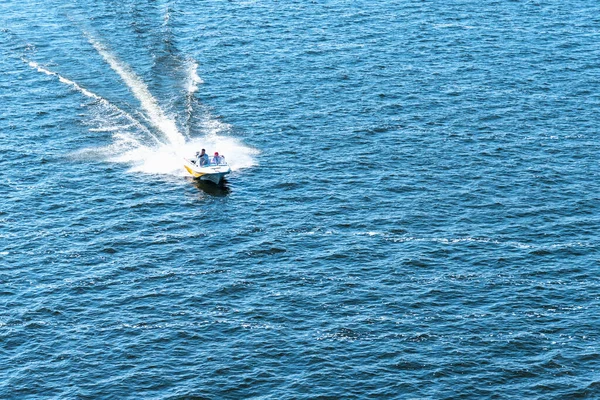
139, 89
193, 78
91, 95
192, 82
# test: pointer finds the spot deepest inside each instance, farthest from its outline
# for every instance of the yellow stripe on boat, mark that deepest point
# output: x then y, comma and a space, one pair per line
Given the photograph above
192, 172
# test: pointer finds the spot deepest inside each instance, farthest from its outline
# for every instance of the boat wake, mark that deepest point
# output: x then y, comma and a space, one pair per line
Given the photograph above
151, 141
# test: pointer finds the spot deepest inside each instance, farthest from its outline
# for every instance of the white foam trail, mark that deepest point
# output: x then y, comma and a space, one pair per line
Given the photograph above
115, 128
193, 79
167, 15
139, 89
62, 79
91, 95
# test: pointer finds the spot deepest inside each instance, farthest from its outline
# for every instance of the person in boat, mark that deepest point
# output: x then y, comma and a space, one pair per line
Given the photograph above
216, 158
202, 158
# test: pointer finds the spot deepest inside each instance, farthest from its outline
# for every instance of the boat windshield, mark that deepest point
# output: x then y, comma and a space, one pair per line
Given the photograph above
219, 160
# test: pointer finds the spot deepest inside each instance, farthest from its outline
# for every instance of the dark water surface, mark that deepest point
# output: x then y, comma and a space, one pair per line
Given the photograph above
413, 211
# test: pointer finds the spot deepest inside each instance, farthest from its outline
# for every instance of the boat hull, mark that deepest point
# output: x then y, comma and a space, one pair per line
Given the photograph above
211, 173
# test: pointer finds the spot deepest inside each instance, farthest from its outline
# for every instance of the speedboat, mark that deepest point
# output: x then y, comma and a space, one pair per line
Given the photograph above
213, 171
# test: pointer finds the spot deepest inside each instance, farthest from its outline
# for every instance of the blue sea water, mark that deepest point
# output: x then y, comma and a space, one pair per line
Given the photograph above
413, 210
